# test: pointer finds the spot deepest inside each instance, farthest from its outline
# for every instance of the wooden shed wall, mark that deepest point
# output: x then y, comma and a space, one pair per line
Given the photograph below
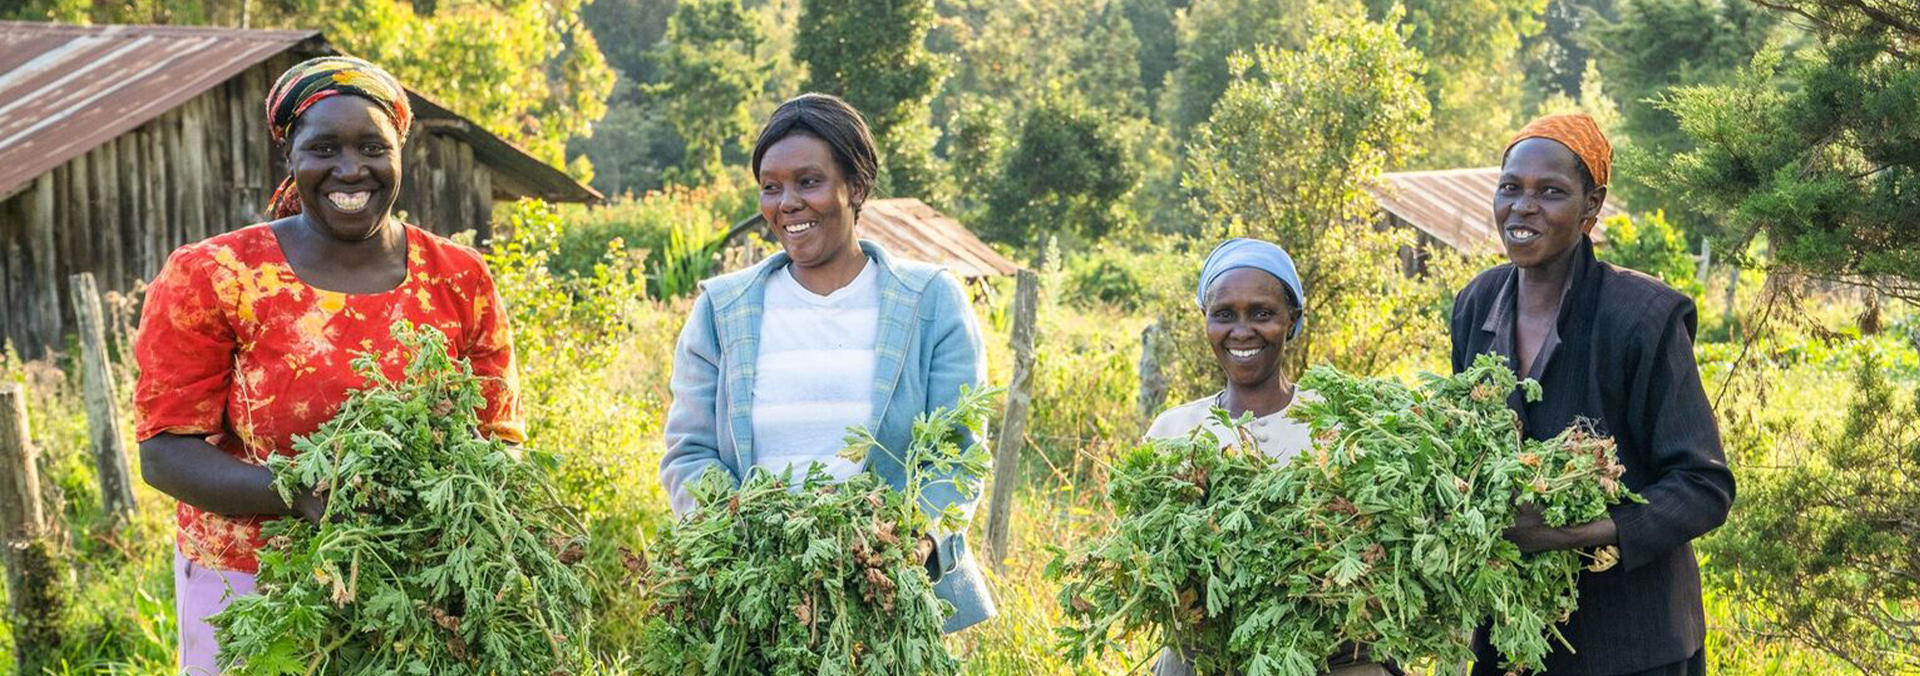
119, 209
442, 187
202, 169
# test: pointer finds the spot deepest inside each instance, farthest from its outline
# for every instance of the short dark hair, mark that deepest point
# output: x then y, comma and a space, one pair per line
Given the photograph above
830, 119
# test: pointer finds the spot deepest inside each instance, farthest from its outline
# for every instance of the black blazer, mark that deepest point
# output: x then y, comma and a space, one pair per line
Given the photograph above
1621, 357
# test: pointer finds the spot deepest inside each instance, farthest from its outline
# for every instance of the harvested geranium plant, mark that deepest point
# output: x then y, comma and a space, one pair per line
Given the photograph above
795, 574
1387, 533
440, 552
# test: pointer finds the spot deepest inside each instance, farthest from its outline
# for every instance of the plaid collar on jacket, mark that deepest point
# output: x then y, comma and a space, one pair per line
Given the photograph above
738, 306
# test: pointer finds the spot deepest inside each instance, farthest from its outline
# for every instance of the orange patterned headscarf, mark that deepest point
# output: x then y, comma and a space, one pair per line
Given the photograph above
1578, 133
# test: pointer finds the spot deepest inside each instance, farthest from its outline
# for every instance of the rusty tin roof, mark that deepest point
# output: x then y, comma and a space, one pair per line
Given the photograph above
1455, 206
66, 89
910, 229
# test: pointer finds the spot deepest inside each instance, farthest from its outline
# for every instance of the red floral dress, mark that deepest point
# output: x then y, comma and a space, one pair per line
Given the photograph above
232, 345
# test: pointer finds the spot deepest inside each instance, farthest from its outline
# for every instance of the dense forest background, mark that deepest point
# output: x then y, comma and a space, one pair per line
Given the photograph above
1768, 158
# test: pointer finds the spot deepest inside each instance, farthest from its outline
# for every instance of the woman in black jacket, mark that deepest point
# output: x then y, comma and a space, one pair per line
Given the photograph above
1613, 347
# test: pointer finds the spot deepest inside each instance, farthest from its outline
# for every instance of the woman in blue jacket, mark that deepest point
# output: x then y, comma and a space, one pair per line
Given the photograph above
776, 361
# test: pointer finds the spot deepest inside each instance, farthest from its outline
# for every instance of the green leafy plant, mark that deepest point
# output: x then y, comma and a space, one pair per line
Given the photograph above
1829, 542
440, 552
1654, 246
1386, 534
788, 576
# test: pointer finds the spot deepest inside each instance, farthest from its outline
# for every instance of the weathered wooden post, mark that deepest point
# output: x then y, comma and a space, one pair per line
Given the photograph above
1704, 262
1153, 378
103, 411
1013, 423
34, 580
21, 513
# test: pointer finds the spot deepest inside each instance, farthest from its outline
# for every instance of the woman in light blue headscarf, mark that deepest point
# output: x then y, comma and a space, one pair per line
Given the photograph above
1252, 302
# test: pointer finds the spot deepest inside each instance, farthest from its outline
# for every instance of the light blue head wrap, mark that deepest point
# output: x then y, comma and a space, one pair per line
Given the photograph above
1241, 252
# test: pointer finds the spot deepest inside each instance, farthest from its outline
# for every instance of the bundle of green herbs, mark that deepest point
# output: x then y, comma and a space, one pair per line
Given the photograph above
1386, 534
788, 575
440, 552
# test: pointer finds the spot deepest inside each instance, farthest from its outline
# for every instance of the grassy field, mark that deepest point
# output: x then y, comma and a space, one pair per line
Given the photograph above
596, 355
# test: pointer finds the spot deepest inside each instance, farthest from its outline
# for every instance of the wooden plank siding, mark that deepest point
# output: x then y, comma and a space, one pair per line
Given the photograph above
202, 169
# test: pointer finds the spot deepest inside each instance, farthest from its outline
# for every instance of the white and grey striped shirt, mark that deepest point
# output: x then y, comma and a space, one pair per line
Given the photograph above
814, 375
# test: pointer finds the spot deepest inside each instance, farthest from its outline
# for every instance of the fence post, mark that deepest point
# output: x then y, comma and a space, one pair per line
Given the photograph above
1153, 378
1013, 423
103, 411
21, 513
34, 579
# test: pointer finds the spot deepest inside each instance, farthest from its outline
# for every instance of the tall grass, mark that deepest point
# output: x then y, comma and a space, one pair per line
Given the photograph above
595, 345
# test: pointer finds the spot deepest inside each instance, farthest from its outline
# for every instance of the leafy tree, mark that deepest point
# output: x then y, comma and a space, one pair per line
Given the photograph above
525, 69
1013, 55
1007, 55
1825, 167
1068, 173
1104, 65
265, 13
873, 54
636, 148
977, 141
1153, 21
628, 32
1473, 78
1654, 246
1556, 57
1209, 32
1843, 17
708, 77
1013, 50
633, 147
1473, 85
1656, 45
1291, 148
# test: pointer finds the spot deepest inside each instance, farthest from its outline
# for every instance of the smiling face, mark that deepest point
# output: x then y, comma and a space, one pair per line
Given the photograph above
1249, 314
807, 200
345, 160
1541, 204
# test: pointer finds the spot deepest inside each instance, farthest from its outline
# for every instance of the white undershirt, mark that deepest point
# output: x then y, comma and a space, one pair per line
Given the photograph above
1276, 434
814, 376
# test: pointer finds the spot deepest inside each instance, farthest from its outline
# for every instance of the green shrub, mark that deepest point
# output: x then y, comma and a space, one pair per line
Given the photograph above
594, 354
1653, 246
1827, 542
673, 236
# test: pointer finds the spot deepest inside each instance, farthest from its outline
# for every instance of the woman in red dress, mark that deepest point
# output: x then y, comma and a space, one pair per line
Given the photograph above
247, 338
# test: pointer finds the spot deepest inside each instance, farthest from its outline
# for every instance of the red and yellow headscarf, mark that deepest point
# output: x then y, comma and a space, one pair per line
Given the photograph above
1578, 133
312, 80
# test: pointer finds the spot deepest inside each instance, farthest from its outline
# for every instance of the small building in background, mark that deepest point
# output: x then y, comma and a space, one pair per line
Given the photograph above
1452, 208
120, 143
909, 229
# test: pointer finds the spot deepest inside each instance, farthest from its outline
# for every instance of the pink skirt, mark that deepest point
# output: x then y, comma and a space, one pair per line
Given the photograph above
199, 592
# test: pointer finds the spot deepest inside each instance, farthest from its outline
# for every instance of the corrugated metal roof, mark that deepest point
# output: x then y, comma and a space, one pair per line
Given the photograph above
515, 172
910, 229
1455, 206
65, 90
